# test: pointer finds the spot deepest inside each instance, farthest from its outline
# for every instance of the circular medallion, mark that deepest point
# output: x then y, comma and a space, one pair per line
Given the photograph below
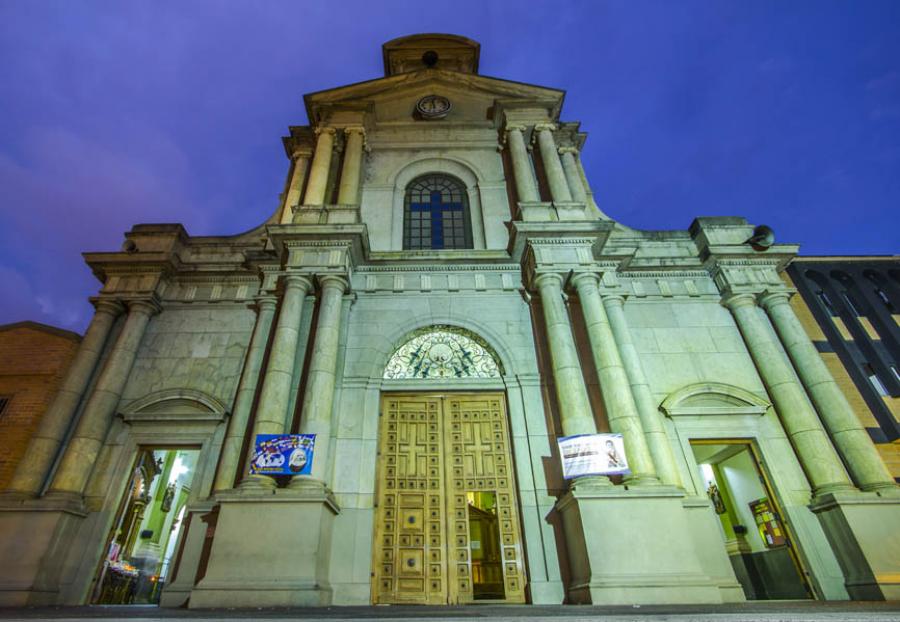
433, 107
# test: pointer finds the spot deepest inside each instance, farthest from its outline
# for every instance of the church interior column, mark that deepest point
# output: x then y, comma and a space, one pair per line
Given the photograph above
243, 402
318, 399
526, 188
44, 445
321, 165
300, 159
573, 177
90, 433
651, 418
348, 193
272, 415
620, 407
849, 436
559, 187
816, 453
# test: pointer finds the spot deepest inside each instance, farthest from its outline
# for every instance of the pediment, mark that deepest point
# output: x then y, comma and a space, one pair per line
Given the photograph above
393, 98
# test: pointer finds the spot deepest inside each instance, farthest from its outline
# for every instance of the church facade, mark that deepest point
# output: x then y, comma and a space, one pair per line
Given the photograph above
438, 299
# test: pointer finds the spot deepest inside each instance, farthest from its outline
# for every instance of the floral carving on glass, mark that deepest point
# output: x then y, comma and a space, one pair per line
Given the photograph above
443, 352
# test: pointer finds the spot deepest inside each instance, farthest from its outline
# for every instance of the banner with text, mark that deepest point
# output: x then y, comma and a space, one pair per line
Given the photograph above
283, 454
593, 454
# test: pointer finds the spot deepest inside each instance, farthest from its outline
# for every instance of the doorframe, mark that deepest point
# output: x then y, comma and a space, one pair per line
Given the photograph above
768, 487
436, 390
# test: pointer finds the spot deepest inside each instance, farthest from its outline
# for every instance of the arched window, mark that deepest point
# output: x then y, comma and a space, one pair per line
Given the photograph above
436, 214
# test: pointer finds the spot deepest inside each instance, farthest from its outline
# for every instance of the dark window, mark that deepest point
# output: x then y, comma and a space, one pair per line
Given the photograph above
826, 302
4, 403
875, 380
850, 305
436, 214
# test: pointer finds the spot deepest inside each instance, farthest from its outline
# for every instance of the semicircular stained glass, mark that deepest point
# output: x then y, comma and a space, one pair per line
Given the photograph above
443, 352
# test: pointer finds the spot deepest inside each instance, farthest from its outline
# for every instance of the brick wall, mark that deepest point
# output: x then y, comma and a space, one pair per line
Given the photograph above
33, 359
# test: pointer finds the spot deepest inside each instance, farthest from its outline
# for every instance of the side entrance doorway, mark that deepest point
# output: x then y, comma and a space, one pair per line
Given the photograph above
447, 529
756, 536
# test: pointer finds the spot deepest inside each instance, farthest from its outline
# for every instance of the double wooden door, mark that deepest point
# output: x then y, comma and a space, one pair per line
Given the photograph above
447, 527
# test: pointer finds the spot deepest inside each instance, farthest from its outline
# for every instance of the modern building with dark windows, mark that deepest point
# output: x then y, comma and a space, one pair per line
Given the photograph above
439, 373
850, 307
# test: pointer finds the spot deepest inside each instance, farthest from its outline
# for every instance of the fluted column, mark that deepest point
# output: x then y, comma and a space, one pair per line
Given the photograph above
651, 418
849, 436
348, 192
573, 177
272, 416
817, 455
44, 445
574, 406
318, 400
526, 188
90, 433
559, 187
621, 410
321, 166
300, 159
243, 402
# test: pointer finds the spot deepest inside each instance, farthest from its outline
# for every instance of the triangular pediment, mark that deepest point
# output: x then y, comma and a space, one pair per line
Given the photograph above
394, 97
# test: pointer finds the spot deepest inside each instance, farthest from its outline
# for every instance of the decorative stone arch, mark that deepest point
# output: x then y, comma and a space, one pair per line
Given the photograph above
443, 351
713, 398
182, 405
454, 167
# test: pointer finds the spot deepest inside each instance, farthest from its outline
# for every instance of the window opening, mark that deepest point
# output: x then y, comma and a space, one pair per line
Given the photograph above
875, 380
826, 302
4, 404
850, 305
436, 214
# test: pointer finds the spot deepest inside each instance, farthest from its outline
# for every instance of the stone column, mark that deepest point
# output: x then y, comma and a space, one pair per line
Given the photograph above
243, 402
300, 158
620, 407
651, 418
573, 177
321, 165
44, 445
817, 455
348, 192
272, 416
318, 400
90, 433
574, 407
559, 187
852, 440
526, 187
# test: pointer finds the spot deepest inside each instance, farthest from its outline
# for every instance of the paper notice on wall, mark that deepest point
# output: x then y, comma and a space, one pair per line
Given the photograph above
593, 454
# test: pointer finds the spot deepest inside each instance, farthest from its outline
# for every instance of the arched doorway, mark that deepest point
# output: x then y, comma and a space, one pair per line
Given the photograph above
446, 523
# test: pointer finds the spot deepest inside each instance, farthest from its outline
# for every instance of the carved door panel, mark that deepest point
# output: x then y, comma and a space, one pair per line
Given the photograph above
409, 534
479, 460
436, 453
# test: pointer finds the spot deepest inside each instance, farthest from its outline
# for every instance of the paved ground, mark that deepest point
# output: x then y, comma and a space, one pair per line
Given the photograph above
803, 611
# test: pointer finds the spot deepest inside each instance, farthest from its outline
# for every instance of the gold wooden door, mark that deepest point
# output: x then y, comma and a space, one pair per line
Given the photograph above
436, 454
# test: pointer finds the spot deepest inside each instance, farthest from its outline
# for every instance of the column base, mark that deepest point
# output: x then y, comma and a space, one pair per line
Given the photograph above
536, 211
632, 546
177, 590
862, 530
270, 549
30, 533
326, 215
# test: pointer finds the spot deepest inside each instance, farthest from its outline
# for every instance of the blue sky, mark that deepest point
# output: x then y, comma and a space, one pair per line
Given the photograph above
112, 113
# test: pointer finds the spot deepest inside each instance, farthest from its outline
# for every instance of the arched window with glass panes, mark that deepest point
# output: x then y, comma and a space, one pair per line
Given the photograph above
436, 214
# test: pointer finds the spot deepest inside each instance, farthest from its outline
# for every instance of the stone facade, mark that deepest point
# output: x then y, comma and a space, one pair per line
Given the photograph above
669, 338
33, 360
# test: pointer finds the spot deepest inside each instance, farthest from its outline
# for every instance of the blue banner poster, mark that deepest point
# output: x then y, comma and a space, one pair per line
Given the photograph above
283, 454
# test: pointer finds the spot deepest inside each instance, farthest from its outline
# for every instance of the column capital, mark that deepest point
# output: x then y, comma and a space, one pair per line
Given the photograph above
266, 302
147, 306
769, 299
581, 279
515, 127
549, 278
301, 152
108, 305
292, 281
336, 281
359, 129
733, 301
545, 127
568, 149
325, 129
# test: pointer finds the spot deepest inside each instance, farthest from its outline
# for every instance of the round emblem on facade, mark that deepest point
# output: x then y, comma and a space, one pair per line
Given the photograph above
433, 107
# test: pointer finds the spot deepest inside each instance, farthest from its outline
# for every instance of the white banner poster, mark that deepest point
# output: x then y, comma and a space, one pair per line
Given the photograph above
593, 454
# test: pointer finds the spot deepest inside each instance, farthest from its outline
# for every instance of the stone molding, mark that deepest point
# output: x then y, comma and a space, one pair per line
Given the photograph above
182, 405
731, 400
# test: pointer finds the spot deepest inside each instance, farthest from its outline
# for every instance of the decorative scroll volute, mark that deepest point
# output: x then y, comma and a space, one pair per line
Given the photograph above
443, 352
